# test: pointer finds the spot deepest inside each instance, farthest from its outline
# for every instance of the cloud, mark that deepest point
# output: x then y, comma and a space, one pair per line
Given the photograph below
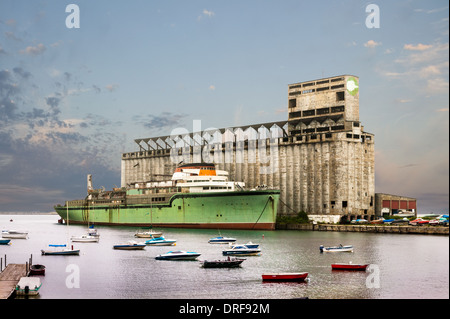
206, 13
371, 44
442, 110
36, 50
166, 120
112, 87
418, 47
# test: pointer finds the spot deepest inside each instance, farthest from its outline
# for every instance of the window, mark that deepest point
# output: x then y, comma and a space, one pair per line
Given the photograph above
292, 103
344, 203
340, 96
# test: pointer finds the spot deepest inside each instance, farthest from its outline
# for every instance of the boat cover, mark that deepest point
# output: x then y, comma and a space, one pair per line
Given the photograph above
32, 282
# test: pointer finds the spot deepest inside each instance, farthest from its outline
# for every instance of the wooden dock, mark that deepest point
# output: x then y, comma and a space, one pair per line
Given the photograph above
10, 276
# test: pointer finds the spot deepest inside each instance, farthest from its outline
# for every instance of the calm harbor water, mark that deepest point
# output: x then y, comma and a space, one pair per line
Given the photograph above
402, 266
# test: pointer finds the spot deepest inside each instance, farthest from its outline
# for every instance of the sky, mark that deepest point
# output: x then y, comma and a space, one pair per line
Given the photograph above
76, 93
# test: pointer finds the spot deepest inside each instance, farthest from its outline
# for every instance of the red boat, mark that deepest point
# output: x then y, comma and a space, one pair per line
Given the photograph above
339, 266
286, 276
37, 269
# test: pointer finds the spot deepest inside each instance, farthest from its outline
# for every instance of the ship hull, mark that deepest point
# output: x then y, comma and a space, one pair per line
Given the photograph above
224, 210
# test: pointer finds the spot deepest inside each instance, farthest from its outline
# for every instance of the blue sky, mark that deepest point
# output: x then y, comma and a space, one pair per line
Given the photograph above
73, 99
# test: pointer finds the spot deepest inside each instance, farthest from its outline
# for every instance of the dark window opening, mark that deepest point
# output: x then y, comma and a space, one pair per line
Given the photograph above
344, 203
340, 96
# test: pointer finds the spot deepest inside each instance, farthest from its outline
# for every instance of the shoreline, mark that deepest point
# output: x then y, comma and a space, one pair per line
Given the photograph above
389, 229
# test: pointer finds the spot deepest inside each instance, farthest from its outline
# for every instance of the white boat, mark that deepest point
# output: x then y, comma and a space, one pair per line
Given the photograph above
14, 234
85, 239
340, 248
160, 241
148, 234
178, 255
221, 240
241, 250
131, 245
60, 250
28, 286
248, 245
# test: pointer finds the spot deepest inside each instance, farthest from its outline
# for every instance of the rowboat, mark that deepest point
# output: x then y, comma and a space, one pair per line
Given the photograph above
178, 255
226, 263
340, 248
287, 276
349, 266
37, 269
131, 245
28, 286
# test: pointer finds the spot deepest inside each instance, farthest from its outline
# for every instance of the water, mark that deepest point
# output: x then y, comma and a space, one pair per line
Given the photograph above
402, 266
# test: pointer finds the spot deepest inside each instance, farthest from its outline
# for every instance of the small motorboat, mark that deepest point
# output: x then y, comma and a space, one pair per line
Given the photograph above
85, 239
14, 234
178, 255
60, 250
37, 269
241, 250
340, 248
226, 263
148, 234
349, 266
248, 245
160, 241
131, 245
5, 241
28, 286
286, 276
221, 240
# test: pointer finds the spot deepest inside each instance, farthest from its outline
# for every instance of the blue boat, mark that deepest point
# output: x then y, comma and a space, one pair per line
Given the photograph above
241, 250
4, 241
222, 240
160, 241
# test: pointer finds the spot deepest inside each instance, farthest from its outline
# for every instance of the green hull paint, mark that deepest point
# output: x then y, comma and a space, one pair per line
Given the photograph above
231, 210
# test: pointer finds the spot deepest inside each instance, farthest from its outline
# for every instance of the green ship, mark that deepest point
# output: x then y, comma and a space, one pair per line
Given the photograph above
197, 196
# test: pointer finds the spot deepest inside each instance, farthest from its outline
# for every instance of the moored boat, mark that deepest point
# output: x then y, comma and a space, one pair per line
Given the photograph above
28, 286
14, 234
286, 276
221, 240
340, 248
224, 263
131, 245
85, 239
148, 234
60, 250
178, 255
241, 250
197, 196
349, 266
5, 241
37, 269
160, 241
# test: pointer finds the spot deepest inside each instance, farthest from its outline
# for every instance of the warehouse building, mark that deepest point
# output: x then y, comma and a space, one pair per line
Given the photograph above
321, 158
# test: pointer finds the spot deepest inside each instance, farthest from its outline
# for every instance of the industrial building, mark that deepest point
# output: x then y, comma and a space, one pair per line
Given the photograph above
321, 158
